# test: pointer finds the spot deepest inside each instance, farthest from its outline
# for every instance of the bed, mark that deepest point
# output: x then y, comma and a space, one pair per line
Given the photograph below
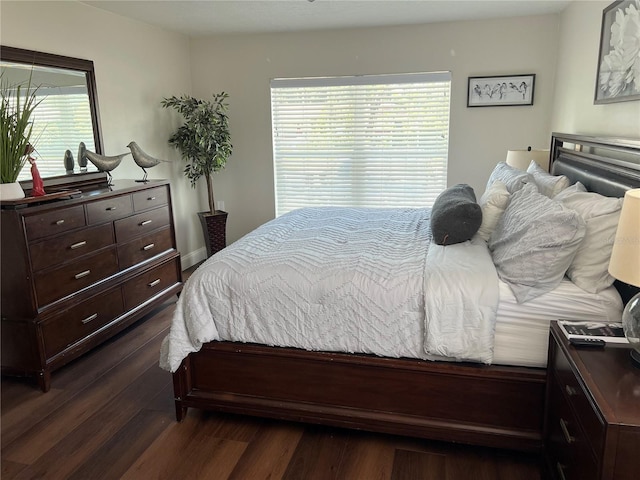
495, 403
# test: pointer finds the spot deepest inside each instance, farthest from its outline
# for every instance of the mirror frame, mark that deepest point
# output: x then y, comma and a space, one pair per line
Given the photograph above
34, 58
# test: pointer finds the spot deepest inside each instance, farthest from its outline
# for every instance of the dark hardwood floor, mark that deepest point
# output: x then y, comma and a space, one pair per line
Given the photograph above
110, 415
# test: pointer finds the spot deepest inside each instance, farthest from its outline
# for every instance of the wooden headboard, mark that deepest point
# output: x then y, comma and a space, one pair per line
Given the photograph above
609, 166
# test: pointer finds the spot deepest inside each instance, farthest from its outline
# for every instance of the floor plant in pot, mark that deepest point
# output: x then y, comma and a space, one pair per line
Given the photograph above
16, 126
205, 144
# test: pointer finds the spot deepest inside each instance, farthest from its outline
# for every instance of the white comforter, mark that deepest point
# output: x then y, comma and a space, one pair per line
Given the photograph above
342, 279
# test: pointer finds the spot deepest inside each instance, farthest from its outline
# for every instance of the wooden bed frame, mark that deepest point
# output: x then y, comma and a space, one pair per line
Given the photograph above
495, 406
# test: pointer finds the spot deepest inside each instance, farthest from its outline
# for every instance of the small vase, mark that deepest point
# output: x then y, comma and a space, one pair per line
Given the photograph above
68, 162
11, 191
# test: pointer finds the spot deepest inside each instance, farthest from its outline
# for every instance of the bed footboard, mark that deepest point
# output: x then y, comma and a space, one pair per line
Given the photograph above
475, 404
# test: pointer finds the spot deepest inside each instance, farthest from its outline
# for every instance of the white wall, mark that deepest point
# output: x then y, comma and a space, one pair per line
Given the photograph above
574, 111
136, 66
243, 65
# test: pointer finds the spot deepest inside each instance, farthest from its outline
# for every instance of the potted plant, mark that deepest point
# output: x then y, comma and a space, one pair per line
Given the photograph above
16, 126
205, 143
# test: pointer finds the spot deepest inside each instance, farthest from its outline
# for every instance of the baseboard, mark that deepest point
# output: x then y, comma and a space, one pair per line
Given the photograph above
193, 258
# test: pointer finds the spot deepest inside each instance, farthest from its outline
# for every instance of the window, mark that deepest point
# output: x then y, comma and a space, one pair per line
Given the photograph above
61, 121
370, 141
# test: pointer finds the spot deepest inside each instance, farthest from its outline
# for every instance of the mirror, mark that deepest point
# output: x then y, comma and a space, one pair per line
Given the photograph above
66, 115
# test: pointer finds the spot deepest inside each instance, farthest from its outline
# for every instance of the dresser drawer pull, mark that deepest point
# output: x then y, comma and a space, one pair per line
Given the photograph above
59, 222
146, 222
78, 245
90, 318
154, 283
560, 469
110, 209
570, 390
151, 198
565, 431
149, 247
82, 274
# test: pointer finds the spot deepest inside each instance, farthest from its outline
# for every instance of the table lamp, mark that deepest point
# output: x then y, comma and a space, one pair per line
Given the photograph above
522, 158
625, 266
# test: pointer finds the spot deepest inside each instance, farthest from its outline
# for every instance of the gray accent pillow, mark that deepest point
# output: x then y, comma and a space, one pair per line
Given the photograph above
455, 215
534, 243
513, 178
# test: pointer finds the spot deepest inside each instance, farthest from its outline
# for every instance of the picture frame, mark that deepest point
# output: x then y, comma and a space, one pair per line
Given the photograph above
617, 80
501, 90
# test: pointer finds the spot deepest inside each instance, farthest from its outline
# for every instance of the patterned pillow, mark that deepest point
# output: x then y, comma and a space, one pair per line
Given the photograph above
534, 243
513, 178
589, 268
549, 185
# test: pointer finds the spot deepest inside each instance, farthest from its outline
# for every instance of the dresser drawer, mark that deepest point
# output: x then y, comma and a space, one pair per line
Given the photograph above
81, 321
150, 283
143, 248
591, 421
136, 225
110, 209
57, 283
70, 246
53, 222
570, 453
151, 198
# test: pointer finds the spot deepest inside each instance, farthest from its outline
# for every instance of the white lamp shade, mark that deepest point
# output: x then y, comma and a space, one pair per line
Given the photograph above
522, 158
625, 257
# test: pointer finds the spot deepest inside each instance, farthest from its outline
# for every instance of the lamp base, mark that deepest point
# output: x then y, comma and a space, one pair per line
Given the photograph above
635, 358
631, 326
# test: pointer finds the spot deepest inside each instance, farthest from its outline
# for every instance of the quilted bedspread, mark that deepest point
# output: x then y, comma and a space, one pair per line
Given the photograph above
330, 279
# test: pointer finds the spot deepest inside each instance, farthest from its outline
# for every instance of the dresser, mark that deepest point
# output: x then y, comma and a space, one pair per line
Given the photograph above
79, 270
592, 414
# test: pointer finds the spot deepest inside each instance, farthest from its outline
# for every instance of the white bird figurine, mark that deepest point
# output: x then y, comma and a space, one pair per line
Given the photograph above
143, 160
104, 163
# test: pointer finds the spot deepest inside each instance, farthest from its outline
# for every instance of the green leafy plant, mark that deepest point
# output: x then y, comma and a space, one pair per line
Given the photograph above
204, 139
16, 126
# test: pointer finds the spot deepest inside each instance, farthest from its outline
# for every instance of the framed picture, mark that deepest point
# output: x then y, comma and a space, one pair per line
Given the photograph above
501, 90
618, 77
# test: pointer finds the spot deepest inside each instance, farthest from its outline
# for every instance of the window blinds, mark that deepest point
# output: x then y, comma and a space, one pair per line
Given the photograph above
60, 123
371, 141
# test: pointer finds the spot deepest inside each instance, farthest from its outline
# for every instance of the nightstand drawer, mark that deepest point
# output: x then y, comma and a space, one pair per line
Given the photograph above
74, 276
150, 198
136, 225
571, 456
144, 248
81, 321
108, 210
591, 421
70, 246
58, 221
148, 284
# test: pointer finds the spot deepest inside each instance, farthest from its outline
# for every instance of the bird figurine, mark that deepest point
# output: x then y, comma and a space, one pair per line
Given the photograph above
104, 163
143, 160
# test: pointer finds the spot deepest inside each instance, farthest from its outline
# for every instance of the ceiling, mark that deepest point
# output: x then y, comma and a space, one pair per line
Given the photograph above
209, 17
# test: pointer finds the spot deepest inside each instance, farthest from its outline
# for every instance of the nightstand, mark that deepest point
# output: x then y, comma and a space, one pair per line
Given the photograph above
592, 412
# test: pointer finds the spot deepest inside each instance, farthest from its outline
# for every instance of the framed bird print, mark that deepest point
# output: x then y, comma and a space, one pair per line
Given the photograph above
501, 90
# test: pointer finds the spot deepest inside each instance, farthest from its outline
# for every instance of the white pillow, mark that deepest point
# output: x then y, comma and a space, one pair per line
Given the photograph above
513, 178
549, 185
493, 203
534, 243
589, 268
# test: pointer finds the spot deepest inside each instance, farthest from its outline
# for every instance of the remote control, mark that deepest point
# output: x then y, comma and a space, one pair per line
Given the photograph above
588, 342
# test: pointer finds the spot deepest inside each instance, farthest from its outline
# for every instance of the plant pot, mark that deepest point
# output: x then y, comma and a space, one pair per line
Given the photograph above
214, 228
11, 191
